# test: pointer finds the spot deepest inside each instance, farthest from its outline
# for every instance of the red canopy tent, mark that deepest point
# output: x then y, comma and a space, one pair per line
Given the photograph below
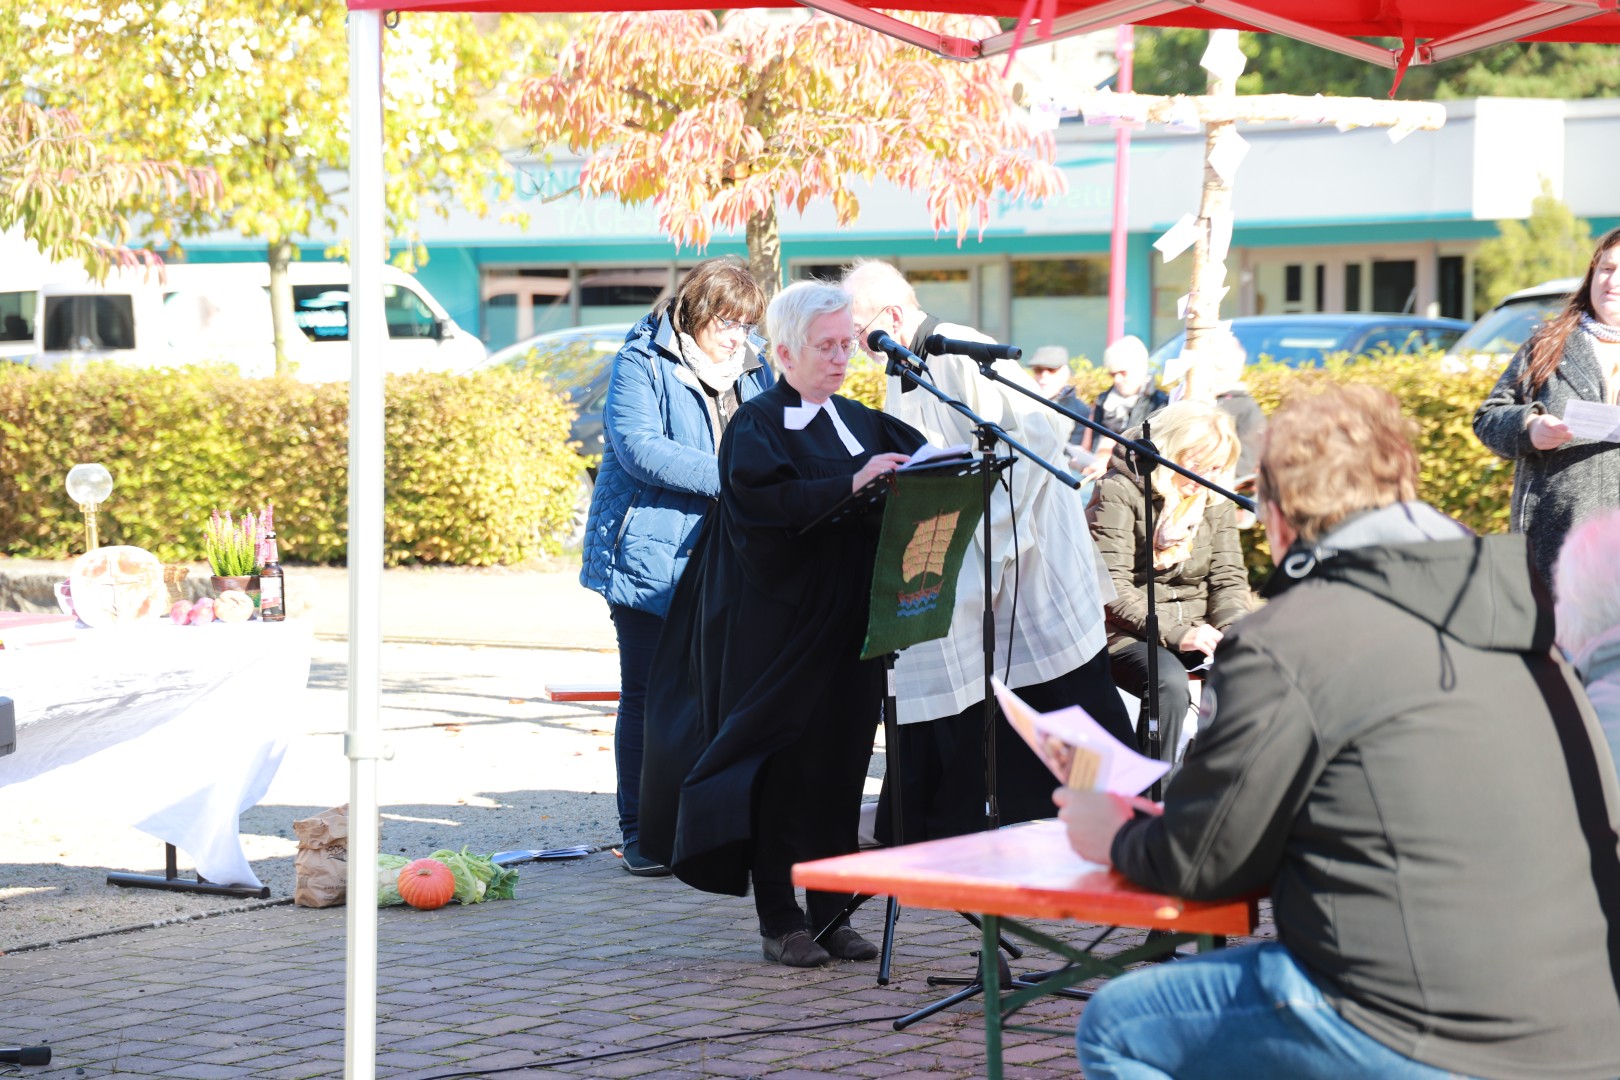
1429, 31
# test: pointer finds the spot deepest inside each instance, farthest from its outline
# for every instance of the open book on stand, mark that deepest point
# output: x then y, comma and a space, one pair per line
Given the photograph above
1080, 753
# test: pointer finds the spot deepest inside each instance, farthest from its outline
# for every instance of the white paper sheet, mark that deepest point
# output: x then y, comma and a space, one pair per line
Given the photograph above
1223, 57
1589, 420
1057, 736
1220, 242
1178, 238
1182, 302
1227, 154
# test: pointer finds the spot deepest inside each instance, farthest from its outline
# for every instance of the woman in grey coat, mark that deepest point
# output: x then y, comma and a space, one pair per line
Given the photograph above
1561, 479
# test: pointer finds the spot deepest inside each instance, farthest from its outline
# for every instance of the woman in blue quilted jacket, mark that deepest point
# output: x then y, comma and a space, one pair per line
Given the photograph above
680, 377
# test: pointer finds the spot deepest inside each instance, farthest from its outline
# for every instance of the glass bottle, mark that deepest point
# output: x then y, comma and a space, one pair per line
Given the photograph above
272, 595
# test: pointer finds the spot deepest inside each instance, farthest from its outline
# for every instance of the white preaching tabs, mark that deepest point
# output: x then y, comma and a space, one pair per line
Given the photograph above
798, 417
1589, 420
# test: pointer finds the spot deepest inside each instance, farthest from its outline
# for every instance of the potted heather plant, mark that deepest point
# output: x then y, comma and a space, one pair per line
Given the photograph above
232, 548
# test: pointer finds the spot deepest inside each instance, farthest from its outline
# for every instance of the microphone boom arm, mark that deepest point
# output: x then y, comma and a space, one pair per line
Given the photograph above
987, 369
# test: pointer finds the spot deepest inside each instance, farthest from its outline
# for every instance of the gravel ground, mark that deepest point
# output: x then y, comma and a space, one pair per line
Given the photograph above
481, 759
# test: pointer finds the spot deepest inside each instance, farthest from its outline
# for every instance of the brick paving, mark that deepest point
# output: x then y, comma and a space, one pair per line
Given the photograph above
585, 962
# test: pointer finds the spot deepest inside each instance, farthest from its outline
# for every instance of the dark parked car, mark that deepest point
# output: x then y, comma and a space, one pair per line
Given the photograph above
1303, 340
576, 362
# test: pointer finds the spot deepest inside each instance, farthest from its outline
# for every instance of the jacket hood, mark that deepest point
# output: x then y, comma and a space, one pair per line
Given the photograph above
1477, 590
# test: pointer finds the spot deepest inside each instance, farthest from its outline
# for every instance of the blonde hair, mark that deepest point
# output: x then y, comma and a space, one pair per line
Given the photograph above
1193, 431
1587, 581
1333, 450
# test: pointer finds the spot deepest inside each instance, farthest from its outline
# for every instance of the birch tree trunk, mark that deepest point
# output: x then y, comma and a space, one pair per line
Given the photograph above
1210, 249
281, 302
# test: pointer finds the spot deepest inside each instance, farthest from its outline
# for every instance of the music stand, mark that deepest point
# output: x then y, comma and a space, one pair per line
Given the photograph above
986, 435
872, 496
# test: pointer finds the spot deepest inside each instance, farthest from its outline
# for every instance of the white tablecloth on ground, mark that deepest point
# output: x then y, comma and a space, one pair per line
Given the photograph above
172, 729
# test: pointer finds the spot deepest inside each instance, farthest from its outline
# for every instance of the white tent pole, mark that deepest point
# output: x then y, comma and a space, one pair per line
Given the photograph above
362, 743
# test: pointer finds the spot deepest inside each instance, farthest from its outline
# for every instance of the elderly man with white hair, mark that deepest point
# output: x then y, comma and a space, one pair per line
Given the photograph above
1043, 566
1588, 586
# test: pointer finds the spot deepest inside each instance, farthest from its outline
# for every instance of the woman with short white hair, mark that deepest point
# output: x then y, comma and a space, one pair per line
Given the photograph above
766, 769
1588, 586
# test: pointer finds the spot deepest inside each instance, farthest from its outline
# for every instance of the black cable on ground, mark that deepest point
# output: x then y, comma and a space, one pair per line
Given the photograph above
665, 1045
176, 921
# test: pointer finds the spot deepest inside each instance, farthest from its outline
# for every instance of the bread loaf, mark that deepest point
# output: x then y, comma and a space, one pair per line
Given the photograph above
113, 585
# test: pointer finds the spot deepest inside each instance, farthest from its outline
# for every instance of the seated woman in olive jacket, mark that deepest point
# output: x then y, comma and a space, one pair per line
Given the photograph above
1200, 584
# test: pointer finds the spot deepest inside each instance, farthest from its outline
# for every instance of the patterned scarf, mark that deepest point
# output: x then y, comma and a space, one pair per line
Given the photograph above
1177, 527
718, 377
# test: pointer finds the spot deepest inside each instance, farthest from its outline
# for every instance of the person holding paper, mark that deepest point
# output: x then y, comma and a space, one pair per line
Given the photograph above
1200, 585
1043, 567
1392, 748
761, 713
1559, 478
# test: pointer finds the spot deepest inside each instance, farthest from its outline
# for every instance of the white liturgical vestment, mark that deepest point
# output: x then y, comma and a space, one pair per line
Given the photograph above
1054, 568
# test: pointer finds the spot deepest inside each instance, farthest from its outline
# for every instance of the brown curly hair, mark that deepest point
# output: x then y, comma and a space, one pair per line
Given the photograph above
1333, 450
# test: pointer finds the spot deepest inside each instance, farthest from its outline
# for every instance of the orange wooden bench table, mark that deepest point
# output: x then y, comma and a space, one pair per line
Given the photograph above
605, 691
1028, 872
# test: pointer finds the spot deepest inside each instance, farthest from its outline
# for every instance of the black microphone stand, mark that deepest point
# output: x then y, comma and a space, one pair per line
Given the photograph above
986, 434
1145, 457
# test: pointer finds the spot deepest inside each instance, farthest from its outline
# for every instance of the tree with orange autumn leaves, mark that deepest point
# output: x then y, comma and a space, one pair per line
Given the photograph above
719, 122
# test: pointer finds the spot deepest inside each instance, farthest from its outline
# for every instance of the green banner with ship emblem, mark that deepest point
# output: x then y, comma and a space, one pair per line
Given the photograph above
928, 523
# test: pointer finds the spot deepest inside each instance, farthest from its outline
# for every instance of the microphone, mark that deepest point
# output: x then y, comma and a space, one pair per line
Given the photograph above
899, 356
980, 352
25, 1055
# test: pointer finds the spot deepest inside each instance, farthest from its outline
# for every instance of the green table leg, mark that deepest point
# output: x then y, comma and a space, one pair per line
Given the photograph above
990, 973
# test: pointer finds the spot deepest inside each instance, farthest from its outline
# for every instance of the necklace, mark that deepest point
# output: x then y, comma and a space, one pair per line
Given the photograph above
1601, 331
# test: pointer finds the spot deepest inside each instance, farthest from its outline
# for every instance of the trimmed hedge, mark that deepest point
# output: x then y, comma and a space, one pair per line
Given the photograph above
1458, 474
479, 469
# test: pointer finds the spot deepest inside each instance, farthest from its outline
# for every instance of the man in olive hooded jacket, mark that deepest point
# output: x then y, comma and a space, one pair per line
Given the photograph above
1393, 748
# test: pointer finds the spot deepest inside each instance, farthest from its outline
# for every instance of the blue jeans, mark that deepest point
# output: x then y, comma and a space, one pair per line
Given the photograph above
637, 632
1234, 1014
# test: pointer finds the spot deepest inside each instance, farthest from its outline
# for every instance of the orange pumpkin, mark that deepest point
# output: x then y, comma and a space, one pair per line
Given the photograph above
426, 884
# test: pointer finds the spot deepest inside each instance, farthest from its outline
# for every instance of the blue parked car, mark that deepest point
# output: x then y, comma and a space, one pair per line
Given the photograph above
1303, 340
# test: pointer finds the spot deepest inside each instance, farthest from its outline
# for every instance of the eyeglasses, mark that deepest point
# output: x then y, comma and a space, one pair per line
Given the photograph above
860, 335
830, 350
735, 324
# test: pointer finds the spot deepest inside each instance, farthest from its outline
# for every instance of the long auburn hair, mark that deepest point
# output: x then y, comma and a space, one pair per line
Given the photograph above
1547, 344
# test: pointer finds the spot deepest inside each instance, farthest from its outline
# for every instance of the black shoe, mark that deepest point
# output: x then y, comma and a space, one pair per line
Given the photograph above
795, 949
641, 866
846, 944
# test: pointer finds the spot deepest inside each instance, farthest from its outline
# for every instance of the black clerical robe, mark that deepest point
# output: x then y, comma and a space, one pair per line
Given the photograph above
758, 680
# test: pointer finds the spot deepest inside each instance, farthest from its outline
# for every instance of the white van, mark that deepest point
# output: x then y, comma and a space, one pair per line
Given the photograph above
220, 312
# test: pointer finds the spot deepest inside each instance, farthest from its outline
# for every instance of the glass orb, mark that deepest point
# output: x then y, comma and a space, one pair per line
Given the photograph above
89, 485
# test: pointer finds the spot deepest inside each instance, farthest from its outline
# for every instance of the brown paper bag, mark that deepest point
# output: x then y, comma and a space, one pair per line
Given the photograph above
321, 866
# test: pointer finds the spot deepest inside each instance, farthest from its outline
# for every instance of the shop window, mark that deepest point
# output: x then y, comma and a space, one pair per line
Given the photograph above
1394, 285
1061, 302
1352, 286
1453, 299
1293, 283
